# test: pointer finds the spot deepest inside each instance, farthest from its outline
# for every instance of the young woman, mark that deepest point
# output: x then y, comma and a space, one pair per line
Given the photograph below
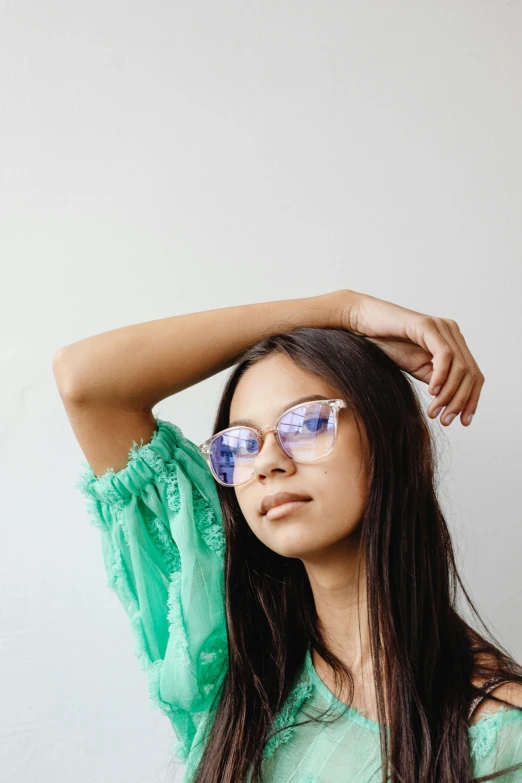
291, 583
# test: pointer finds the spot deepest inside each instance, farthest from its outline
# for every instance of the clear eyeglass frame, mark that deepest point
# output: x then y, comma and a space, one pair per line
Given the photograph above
335, 404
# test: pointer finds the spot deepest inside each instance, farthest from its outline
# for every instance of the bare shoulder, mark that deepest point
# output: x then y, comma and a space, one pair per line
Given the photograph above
510, 691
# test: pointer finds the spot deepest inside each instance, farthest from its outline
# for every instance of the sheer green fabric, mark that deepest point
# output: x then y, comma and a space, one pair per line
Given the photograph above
163, 547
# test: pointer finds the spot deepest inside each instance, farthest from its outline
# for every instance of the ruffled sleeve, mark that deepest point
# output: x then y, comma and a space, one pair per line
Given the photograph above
163, 548
496, 743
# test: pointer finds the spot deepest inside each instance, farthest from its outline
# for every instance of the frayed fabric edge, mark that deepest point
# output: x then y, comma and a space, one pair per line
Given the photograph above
484, 733
286, 717
117, 582
154, 669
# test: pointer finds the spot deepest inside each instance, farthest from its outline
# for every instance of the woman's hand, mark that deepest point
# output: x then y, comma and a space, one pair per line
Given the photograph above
429, 348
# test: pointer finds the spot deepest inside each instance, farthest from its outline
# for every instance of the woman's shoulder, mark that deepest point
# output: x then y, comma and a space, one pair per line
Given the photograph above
495, 733
508, 691
495, 730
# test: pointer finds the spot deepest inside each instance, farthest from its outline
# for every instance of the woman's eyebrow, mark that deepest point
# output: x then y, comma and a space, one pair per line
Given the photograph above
307, 398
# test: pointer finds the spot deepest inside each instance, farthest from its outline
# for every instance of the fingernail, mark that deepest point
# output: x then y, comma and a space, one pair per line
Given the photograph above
468, 418
437, 411
450, 417
436, 390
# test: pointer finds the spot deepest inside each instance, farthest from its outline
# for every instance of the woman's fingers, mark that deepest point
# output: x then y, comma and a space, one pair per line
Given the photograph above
457, 374
449, 371
444, 362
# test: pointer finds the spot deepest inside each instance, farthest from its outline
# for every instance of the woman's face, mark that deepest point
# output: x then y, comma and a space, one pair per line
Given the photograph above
336, 483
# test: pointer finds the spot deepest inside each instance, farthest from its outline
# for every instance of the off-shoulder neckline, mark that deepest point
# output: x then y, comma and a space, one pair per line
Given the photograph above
502, 715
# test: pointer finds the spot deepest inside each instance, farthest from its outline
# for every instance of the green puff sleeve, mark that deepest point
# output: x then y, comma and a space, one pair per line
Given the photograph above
163, 547
496, 743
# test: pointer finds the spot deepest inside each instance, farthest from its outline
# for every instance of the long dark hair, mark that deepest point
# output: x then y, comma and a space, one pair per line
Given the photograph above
425, 655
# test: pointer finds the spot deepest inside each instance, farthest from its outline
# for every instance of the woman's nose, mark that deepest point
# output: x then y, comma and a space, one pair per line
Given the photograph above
271, 455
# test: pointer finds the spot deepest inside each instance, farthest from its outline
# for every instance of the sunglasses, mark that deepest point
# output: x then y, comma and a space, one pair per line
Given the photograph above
305, 432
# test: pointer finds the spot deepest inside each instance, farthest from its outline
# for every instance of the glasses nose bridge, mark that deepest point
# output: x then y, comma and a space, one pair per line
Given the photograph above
263, 431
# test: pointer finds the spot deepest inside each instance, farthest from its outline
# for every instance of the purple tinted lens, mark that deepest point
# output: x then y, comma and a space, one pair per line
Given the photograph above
232, 455
308, 432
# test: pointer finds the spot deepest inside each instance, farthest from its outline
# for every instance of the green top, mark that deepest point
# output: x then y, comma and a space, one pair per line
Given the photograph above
163, 546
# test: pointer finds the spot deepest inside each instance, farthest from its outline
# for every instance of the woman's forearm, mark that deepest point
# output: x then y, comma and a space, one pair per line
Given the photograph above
137, 366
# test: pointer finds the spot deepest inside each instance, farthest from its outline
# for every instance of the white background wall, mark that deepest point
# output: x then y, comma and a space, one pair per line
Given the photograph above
162, 158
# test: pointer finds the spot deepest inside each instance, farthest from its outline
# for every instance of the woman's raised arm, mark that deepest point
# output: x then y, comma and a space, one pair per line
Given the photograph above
137, 366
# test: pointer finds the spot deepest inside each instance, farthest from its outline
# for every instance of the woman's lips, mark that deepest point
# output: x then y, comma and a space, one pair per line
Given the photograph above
285, 508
